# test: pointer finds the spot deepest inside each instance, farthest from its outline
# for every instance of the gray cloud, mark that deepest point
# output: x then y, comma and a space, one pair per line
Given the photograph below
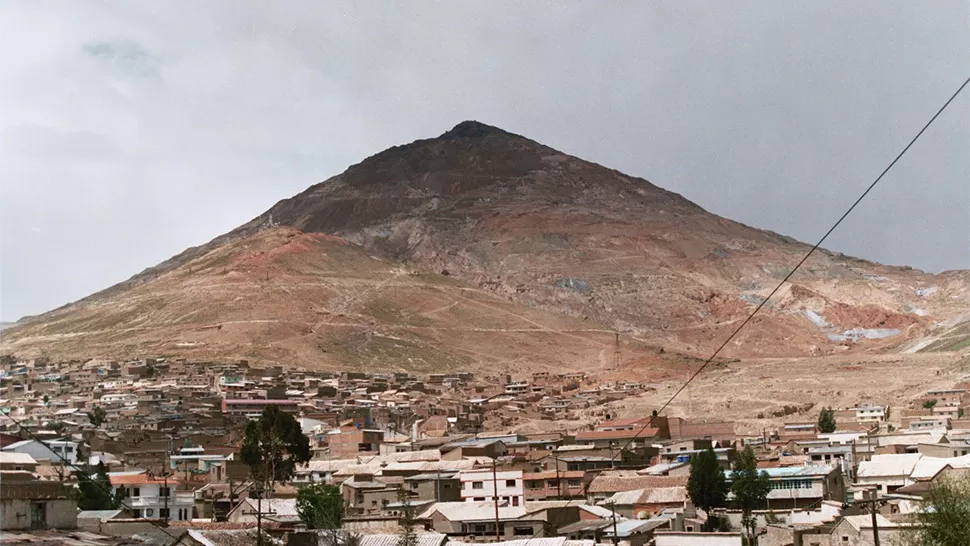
129, 132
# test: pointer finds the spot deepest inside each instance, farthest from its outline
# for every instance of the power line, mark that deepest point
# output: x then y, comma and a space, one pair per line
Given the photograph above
803, 260
784, 280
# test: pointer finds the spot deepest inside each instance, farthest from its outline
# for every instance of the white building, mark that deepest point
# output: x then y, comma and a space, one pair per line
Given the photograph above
480, 486
55, 451
121, 398
153, 497
870, 414
888, 472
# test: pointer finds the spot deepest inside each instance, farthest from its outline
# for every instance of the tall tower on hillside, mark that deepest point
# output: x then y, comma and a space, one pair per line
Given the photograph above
617, 361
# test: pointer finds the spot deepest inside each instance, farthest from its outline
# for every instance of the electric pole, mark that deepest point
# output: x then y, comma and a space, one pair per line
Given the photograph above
616, 537
498, 535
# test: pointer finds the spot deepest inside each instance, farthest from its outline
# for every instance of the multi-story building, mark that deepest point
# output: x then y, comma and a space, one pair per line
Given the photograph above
55, 451
870, 413
352, 441
153, 497
485, 485
801, 486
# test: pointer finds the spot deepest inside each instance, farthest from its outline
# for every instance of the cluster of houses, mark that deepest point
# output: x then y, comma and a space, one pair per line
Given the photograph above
167, 434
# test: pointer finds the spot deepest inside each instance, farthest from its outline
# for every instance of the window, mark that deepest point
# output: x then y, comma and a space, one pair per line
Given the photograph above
522, 531
446, 485
479, 499
163, 491
164, 513
575, 483
134, 491
478, 485
515, 501
149, 512
510, 483
414, 485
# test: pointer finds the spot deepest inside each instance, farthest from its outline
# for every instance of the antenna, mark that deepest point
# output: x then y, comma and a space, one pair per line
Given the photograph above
617, 360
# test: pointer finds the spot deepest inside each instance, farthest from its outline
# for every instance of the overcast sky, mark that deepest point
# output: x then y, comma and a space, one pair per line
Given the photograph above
132, 130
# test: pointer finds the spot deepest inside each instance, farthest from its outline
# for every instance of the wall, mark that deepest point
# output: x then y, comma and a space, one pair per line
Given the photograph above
488, 490
61, 513
697, 539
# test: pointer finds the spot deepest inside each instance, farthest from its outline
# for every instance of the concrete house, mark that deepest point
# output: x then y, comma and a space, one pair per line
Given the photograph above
55, 451
34, 504
153, 497
801, 486
483, 485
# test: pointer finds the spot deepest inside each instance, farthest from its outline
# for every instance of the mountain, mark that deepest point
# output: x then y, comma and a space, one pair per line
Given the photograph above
484, 248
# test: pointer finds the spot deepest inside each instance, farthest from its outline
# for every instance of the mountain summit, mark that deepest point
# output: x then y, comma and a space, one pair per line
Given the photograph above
485, 248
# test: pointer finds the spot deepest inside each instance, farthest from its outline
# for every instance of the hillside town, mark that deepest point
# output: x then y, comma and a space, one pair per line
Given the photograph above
446, 455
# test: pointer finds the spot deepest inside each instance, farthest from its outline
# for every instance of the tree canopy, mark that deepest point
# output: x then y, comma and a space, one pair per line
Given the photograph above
273, 446
320, 506
706, 485
945, 516
97, 416
94, 490
750, 488
408, 536
826, 420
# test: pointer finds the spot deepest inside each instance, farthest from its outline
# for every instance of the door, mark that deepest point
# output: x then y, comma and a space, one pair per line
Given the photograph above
38, 515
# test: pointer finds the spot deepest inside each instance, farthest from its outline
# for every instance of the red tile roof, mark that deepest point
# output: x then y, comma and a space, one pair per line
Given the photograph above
607, 483
141, 479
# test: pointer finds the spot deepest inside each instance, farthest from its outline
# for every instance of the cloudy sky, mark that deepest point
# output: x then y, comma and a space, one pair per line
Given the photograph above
131, 130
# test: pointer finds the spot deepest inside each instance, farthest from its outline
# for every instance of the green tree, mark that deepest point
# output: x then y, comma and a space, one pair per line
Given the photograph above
945, 516
826, 420
97, 416
706, 485
94, 490
47, 400
273, 446
408, 536
929, 404
320, 506
750, 489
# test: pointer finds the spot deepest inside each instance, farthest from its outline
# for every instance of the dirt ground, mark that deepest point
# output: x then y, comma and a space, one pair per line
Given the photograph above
744, 390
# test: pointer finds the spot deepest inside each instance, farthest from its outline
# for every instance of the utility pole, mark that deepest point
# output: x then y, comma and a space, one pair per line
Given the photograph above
873, 503
498, 535
258, 490
616, 537
875, 525
558, 480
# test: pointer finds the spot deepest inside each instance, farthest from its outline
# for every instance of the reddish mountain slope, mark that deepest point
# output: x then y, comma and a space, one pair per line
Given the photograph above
570, 244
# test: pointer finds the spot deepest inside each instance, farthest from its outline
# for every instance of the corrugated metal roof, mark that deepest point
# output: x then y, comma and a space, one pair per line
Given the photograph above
585, 525
100, 515
888, 465
12, 457
927, 467
793, 471
624, 498
423, 539
473, 511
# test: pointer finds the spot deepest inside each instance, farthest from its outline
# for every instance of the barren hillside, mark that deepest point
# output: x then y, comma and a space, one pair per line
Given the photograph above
489, 248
